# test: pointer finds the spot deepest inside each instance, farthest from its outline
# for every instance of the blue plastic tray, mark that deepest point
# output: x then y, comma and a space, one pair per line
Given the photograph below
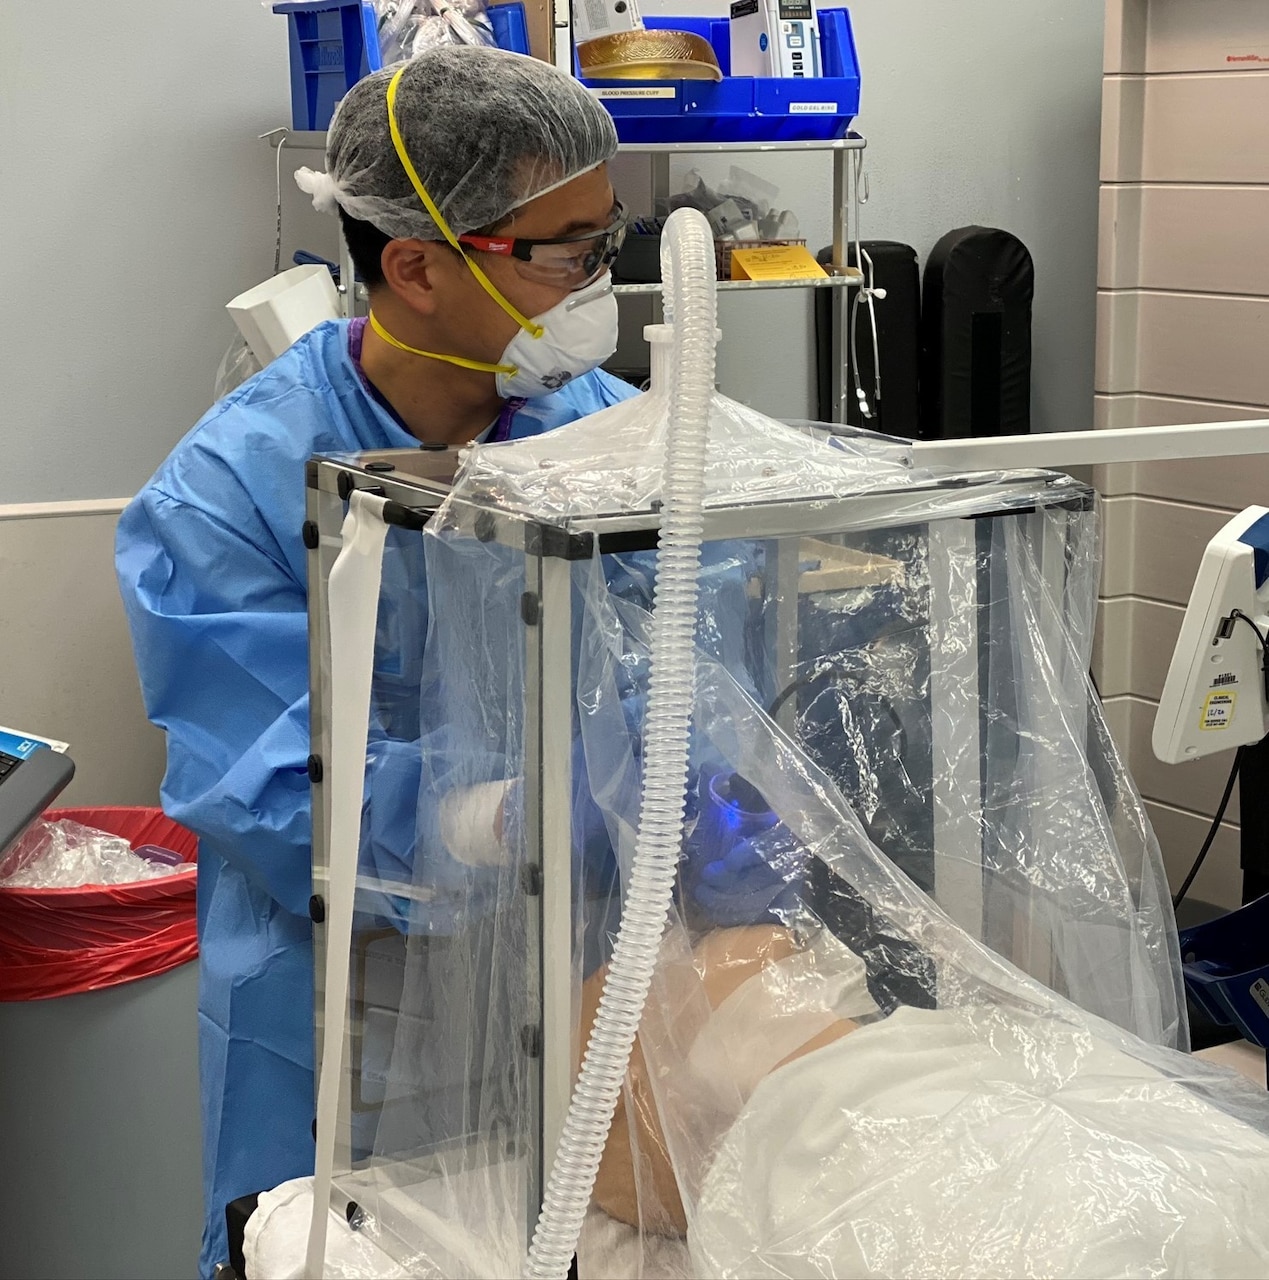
334, 43
1226, 965
740, 108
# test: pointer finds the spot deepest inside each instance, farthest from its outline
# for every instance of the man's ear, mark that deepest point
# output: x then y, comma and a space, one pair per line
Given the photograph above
410, 268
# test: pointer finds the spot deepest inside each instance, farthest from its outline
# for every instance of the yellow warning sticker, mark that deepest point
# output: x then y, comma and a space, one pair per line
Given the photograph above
1218, 711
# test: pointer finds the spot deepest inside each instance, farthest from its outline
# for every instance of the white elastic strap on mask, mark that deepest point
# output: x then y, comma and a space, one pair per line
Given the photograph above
353, 597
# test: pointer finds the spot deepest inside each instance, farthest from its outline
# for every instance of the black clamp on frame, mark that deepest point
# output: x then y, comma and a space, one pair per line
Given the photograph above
550, 540
404, 517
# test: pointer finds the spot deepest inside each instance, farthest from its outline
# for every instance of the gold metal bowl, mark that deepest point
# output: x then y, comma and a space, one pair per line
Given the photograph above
649, 55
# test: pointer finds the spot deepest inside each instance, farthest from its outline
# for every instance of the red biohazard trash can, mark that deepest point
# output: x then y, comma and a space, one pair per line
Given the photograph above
61, 942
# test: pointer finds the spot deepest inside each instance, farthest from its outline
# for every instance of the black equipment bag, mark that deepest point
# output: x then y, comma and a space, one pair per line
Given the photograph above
897, 411
976, 336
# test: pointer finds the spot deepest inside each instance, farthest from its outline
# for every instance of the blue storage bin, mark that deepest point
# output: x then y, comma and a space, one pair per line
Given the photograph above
335, 43
740, 108
1226, 966
510, 26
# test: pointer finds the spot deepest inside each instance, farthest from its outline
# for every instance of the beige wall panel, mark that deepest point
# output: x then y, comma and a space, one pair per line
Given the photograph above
1212, 482
1167, 542
1180, 837
1232, 483
1111, 647
1212, 35
1184, 345
1124, 48
1202, 239
1196, 785
68, 668
1133, 646
1123, 128
1115, 353
1119, 550
1119, 713
1119, 235
1114, 412
1186, 128
1206, 128
1169, 411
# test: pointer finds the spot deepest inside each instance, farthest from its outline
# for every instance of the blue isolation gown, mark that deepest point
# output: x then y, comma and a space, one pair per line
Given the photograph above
212, 570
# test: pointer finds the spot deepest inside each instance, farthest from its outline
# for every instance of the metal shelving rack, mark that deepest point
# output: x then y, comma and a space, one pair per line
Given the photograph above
846, 156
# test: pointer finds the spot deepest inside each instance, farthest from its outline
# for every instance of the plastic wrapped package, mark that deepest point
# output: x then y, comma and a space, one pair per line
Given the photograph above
744, 207
407, 27
918, 1004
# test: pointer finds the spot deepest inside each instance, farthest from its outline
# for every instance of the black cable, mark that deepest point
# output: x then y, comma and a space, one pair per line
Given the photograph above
1216, 826
1226, 630
796, 686
1238, 615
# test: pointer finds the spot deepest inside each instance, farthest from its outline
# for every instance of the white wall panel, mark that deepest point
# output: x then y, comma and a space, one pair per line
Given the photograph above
68, 668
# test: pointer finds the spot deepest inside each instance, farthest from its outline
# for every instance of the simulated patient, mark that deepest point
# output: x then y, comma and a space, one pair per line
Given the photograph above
983, 1140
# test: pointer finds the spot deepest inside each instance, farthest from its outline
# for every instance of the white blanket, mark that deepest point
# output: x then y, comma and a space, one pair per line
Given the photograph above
974, 1143
967, 1143
277, 1234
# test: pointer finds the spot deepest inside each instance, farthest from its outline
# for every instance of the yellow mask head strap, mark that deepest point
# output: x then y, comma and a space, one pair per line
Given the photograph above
462, 362
412, 173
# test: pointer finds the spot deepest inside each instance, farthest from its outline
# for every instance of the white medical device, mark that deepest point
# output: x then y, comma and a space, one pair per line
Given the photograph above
283, 309
779, 38
1216, 696
595, 18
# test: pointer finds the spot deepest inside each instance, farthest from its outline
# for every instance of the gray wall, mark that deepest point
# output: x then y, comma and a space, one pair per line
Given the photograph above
138, 201
983, 111
99, 1112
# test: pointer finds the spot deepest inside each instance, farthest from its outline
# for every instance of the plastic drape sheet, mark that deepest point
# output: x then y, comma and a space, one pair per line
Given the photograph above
560, 474
919, 1000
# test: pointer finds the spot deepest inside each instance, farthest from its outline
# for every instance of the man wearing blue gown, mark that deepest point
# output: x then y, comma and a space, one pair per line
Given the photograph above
473, 193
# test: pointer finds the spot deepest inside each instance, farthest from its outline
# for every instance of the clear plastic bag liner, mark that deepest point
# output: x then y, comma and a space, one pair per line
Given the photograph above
63, 854
919, 1008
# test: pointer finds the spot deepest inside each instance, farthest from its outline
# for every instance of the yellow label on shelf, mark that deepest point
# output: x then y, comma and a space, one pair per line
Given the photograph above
1218, 711
775, 262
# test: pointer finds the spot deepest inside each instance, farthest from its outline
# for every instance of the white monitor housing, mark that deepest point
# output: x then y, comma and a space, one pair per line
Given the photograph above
1214, 697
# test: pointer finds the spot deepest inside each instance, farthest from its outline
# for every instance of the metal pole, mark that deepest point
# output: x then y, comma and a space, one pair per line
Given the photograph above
347, 280
954, 722
555, 722
839, 338
1097, 448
